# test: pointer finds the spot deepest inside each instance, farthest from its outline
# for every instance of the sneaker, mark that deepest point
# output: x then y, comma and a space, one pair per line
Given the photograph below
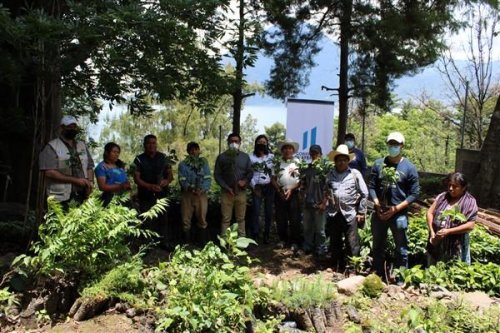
280, 245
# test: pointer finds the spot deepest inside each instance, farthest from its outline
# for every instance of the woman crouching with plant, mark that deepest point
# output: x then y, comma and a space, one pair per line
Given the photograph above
110, 173
450, 219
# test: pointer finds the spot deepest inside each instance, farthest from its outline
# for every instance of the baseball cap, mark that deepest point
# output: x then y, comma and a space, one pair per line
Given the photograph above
68, 120
316, 148
396, 136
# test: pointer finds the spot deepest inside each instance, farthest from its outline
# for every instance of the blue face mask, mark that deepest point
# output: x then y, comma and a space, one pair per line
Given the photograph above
394, 151
349, 144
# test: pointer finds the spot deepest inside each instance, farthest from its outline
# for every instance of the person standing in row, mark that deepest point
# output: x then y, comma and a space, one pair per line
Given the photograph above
348, 206
315, 202
393, 186
110, 173
153, 175
359, 160
67, 165
194, 180
233, 173
286, 181
262, 189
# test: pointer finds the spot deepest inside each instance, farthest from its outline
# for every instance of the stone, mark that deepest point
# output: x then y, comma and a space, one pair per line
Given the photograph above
353, 314
350, 285
441, 295
131, 313
35, 305
478, 299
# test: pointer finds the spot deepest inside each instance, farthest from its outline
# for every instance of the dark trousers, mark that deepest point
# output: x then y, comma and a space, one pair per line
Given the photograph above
343, 232
288, 216
261, 194
159, 224
398, 225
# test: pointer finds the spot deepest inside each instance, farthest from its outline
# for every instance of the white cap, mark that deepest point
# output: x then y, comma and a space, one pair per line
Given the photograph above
68, 120
396, 136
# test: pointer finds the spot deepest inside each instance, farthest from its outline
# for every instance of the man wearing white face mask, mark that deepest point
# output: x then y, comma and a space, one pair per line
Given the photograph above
233, 172
393, 186
359, 161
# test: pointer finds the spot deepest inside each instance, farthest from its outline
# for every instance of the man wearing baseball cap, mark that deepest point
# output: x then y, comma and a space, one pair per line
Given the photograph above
67, 165
393, 186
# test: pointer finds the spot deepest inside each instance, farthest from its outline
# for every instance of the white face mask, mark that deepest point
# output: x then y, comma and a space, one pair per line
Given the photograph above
349, 144
234, 145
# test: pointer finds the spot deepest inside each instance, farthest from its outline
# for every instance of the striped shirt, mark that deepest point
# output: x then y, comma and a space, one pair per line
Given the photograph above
349, 193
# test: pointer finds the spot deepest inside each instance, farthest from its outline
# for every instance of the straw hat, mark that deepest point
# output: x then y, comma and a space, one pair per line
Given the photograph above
341, 150
288, 142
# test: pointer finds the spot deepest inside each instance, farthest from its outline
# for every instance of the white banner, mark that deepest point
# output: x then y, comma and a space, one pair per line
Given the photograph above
310, 122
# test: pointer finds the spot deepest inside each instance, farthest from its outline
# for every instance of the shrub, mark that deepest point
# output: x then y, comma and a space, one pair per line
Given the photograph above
304, 293
85, 241
372, 286
456, 275
207, 291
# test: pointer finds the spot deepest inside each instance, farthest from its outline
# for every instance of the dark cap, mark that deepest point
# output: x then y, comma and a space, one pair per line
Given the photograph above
315, 148
192, 145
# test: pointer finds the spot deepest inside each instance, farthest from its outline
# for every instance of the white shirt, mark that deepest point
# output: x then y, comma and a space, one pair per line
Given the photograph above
288, 176
259, 164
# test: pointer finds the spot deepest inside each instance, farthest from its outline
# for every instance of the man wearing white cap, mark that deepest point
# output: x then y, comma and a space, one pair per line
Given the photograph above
393, 186
67, 165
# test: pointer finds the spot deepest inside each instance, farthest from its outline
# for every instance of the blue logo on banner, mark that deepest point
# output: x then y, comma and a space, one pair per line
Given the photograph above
305, 136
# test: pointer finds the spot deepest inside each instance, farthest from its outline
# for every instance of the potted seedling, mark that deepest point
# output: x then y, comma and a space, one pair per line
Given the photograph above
390, 177
449, 217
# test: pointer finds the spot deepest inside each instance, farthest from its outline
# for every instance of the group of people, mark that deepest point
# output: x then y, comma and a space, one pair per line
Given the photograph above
301, 196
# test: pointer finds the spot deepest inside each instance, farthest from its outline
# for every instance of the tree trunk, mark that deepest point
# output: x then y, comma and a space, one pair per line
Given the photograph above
345, 35
489, 185
239, 58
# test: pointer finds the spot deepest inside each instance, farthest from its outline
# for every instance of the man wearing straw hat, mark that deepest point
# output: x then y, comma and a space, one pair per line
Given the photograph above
286, 183
347, 207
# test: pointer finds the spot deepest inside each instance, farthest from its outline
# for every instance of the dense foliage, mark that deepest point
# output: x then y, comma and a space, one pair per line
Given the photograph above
304, 292
87, 240
429, 316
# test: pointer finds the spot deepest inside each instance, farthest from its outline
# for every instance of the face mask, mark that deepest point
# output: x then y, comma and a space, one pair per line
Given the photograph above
261, 147
394, 151
234, 145
70, 134
349, 144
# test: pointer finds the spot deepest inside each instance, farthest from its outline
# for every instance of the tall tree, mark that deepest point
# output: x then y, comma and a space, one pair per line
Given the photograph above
243, 34
476, 74
275, 133
383, 40
71, 53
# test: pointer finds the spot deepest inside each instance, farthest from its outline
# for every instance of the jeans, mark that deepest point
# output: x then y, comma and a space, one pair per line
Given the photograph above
288, 214
343, 232
261, 193
314, 230
398, 225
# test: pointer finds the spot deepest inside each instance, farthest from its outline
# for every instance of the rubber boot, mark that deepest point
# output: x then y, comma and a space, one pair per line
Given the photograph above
187, 236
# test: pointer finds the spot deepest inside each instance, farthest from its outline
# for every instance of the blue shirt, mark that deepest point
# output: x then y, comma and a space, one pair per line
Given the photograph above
192, 179
358, 163
407, 187
113, 175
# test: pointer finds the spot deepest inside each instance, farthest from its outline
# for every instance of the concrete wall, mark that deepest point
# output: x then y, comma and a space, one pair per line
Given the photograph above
468, 162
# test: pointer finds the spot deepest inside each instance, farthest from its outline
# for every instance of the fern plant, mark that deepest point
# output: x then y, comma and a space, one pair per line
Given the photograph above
87, 240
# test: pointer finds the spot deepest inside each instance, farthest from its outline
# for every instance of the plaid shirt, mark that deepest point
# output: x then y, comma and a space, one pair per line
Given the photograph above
349, 193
